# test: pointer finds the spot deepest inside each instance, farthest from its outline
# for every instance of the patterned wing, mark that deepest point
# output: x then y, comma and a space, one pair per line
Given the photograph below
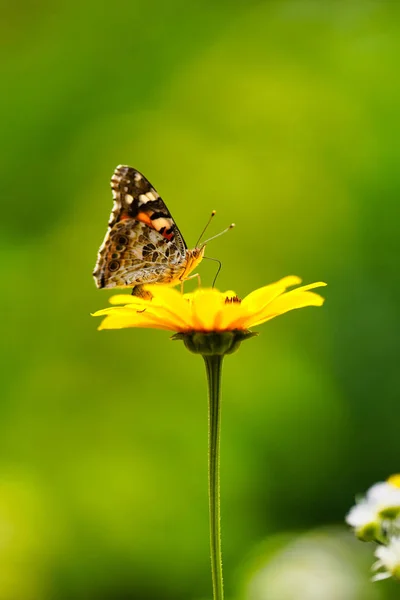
143, 243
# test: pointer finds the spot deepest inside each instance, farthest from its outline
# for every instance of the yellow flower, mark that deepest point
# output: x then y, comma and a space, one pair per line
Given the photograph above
213, 324
208, 310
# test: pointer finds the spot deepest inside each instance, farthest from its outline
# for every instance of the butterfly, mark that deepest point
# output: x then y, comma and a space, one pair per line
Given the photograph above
143, 243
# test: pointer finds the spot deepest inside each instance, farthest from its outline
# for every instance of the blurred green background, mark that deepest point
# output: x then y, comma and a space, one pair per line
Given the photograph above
284, 117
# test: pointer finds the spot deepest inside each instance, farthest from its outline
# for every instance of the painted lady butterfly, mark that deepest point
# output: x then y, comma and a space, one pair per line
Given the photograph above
143, 243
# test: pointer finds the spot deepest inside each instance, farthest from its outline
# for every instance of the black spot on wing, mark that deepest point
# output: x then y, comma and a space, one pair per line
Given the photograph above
158, 206
160, 214
134, 209
154, 206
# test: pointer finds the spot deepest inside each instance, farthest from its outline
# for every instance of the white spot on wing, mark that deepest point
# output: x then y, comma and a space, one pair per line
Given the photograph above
129, 198
161, 222
151, 196
143, 199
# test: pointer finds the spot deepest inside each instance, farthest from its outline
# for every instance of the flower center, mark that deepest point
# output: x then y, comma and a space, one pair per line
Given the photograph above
394, 480
235, 300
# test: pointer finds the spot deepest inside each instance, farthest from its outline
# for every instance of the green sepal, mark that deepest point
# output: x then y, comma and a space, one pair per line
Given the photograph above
390, 512
214, 343
369, 533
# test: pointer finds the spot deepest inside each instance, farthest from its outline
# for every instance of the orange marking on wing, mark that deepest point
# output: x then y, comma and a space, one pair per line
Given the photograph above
144, 218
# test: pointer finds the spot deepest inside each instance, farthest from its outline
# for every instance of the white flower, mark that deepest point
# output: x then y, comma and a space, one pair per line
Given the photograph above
362, 514
364, 518
379, 507
386, 497
388, 562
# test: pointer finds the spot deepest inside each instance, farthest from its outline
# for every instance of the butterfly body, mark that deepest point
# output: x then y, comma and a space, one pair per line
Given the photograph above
143, 243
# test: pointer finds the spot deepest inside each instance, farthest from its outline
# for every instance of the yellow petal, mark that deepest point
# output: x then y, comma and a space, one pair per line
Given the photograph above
165, 298
170, 299
166, 307
116, 318
259, 298
163, 313
127, 299
115, 322
151, 316
114, 310
285, 303
206, 307
309, 286
233, 317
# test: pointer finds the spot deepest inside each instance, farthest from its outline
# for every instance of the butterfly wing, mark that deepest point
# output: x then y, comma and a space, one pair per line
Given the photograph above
143, 243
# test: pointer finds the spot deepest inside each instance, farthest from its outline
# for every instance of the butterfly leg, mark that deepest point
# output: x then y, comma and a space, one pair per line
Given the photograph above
193, 277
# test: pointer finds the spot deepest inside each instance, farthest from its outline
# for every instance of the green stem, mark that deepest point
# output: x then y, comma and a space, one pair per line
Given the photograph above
214, 368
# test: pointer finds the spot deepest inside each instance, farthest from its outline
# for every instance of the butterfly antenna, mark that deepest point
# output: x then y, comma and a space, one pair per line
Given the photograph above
206, 227
231, 226
218, 270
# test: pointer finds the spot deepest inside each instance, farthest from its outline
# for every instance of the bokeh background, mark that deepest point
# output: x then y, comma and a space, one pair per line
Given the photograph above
284, 117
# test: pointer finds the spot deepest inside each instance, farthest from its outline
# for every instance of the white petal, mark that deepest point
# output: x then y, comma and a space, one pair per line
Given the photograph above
380, 576
362, 514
